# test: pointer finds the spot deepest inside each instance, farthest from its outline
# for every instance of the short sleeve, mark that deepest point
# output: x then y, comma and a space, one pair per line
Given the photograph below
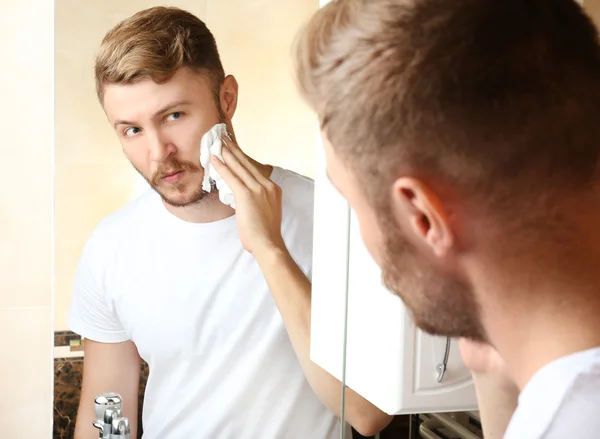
91, 314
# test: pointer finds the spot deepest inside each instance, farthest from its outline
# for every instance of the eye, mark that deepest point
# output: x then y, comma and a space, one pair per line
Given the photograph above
131, 131
175, 116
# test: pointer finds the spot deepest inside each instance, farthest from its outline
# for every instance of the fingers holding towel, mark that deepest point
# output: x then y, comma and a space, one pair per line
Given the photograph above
211, 145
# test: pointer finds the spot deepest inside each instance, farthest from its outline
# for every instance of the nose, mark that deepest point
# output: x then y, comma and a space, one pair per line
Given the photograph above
160, 147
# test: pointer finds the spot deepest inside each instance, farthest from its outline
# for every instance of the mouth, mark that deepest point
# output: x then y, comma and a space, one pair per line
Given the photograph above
173, 177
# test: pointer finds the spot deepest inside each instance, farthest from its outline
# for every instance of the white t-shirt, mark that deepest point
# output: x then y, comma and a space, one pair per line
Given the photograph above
199, 310
561, 401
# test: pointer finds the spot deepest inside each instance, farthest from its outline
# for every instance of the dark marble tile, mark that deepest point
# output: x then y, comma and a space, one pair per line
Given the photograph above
143, 380
60, 337
68, 373
68, 338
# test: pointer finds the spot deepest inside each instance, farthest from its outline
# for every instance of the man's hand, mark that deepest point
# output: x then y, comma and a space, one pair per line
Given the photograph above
481, 357
257, 200
496, 391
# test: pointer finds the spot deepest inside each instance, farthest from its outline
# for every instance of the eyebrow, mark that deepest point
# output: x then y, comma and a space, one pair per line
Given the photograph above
164, 109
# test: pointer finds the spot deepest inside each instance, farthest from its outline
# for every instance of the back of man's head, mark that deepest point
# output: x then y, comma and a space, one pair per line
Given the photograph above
499, 98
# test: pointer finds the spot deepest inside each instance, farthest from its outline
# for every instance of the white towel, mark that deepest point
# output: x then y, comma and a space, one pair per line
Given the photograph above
210, 145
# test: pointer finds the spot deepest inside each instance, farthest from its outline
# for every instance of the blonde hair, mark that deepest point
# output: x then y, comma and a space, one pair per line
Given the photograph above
499, 98
155, 43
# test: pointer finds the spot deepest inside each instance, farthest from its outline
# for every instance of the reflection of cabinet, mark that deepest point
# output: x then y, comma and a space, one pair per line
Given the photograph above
388, 361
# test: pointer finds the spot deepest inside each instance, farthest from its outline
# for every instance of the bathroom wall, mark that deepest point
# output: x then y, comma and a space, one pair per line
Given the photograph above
93, 177
26, 31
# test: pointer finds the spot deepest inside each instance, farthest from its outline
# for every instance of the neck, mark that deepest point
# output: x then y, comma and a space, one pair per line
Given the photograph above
539, 287
531, 335
210, 208
207, 210
536, 316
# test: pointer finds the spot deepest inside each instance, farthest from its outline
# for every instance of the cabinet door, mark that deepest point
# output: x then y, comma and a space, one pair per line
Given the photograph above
387, 360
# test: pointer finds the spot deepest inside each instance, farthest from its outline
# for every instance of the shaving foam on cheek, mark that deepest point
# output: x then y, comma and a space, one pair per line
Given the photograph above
210, 145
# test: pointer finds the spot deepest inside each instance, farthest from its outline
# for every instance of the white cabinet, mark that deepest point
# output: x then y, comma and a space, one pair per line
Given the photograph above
388, 361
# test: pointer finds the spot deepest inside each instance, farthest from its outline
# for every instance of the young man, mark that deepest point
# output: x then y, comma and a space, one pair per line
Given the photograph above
465, 135
215, 301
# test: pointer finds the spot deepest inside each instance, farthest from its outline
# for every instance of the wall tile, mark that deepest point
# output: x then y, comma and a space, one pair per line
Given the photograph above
254, 38
26, 148
84, 195
25, 380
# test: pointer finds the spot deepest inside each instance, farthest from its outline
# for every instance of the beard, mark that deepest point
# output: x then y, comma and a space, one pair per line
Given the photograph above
185, 193
440, 304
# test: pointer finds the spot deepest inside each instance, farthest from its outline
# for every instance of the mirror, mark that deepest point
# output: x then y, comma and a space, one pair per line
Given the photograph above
94, 178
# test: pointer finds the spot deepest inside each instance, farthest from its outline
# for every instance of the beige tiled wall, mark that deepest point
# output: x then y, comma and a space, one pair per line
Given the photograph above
255, 37
25, 220
92, 176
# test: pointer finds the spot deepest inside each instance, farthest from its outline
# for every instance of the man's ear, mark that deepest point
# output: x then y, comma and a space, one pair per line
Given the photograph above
229, 96
417, 205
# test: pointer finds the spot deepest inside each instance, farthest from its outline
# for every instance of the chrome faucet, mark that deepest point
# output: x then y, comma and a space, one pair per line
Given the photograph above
109, 420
